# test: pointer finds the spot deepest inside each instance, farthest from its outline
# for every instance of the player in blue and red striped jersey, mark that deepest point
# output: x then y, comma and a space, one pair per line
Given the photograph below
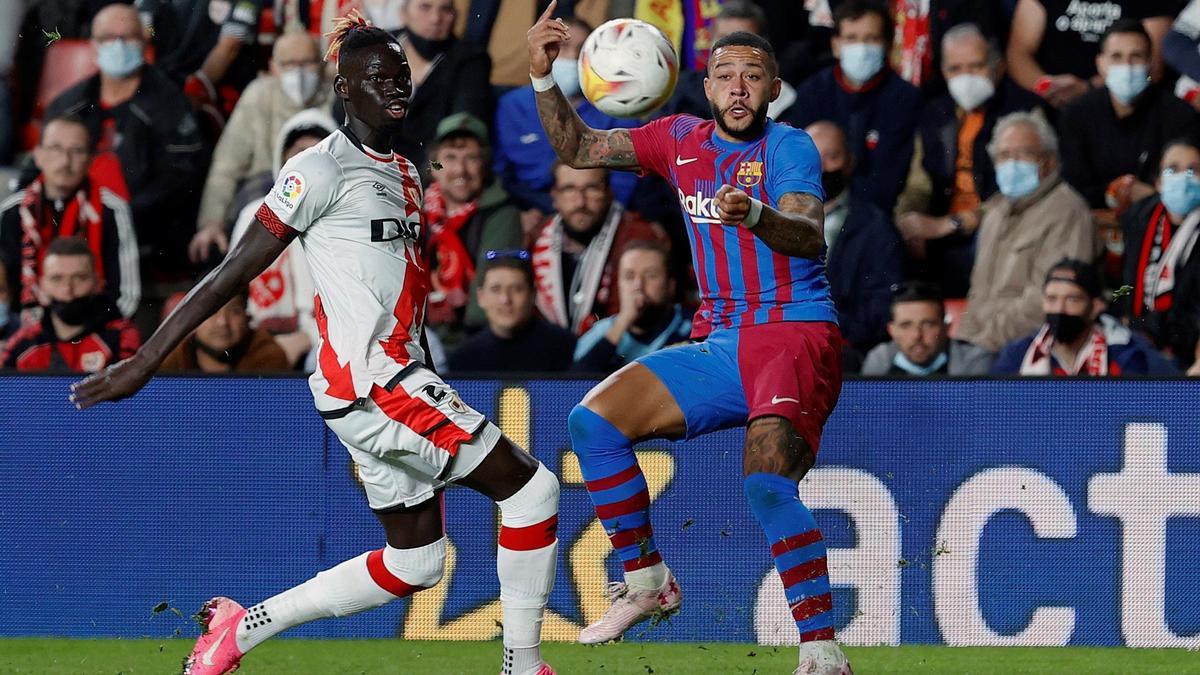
751, 194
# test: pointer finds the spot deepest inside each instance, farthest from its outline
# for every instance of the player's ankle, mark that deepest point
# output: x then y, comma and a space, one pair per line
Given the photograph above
521, 660
649, 578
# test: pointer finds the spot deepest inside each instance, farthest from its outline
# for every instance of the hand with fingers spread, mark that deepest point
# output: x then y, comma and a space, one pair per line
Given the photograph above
545, 38
114, 383
733, 205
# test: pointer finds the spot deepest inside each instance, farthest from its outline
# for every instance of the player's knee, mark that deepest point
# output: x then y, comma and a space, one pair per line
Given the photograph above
535, 503
421, 567
591, 434
768, 491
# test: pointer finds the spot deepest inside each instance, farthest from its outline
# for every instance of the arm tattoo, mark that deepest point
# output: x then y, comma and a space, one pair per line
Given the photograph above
577, 144
796, 228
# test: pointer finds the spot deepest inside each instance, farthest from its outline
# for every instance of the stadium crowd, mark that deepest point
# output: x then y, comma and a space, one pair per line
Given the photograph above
1012, 186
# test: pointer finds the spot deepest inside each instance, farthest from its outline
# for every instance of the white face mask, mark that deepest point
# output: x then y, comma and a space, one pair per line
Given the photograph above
970, 91
299, 84
385, 14
566, 74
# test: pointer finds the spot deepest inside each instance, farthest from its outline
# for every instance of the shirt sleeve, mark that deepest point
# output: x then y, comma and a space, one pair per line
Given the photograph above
654, 144
242, 22
303, 193
794, 165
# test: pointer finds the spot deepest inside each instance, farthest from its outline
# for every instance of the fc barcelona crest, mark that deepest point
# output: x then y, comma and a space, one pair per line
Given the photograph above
749, 174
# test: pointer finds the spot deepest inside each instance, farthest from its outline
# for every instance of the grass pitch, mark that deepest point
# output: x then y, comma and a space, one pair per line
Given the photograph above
351, 657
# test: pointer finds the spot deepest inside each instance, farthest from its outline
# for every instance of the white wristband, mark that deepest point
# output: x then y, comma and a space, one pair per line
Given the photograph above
542, 83
756, 208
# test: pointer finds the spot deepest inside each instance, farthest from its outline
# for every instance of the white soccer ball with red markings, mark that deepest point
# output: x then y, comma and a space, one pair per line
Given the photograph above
627, 68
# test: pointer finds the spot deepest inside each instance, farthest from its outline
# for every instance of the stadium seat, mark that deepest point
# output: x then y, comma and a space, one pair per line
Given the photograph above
955, 308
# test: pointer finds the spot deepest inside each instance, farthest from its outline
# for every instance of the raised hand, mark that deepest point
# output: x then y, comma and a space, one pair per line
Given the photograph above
545, 38
733, 205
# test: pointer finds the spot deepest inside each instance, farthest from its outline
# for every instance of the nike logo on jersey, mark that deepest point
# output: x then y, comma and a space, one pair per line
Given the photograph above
207, 658
702, 209
679, 161
776, 400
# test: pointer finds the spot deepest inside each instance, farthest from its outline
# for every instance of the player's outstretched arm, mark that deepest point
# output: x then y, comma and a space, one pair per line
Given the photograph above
795, 228
253, 253
576, 144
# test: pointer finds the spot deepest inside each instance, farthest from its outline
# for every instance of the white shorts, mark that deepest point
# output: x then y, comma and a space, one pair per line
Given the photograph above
404, 437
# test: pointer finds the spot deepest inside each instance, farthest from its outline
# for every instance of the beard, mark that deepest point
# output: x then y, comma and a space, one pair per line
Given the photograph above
757, 123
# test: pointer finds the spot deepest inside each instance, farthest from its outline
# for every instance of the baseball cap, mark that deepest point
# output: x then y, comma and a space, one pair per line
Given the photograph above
462, 123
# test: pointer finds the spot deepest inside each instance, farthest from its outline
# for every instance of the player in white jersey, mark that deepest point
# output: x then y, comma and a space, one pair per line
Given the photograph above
356, 209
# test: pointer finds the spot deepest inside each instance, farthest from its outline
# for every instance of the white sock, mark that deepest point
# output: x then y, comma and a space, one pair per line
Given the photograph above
647, 578
368, 581
526, 561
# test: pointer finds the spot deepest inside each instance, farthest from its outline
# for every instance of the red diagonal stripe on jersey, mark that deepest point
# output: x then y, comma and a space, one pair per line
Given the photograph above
341, 383
812, 606
624, 507
384, 578
531, 537
613, 480
407, 311
281, 230
795, 541
805, 571
629, 537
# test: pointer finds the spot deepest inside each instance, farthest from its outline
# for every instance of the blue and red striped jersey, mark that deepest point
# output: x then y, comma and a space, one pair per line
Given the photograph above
742, 281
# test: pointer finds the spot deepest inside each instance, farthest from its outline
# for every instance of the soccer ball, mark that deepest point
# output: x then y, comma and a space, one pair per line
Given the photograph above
627, 68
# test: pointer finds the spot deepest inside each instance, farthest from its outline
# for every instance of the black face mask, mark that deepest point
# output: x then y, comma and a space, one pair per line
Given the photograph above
428, 49
1066, 328
833, 182
77, 312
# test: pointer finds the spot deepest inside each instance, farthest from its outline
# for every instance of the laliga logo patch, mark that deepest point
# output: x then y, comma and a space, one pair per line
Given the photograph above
749, 174
293, 185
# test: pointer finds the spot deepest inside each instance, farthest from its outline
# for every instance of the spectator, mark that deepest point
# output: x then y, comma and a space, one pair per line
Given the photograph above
921, 25
524, 156
575, 251
131, 108
1076, 338
1035, 220
280, 299
1161, 263
862, 95
648, 319
9, 319
468, 213
1119, 129
921, 345
516, 339
247, 145
225, 343
71, 196
449, 75
79, 330
386, 14
1052, 46
11, 14
952, 176
864, 256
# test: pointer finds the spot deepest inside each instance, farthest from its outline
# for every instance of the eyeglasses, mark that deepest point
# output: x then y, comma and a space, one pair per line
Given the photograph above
500, 254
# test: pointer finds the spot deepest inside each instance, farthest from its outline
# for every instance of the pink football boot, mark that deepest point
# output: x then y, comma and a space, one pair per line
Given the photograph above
216, 652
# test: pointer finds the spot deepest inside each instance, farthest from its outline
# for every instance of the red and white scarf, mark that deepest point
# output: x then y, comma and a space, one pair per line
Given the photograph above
1092, 359
81, 217
590, 274
453, 268
1162, 252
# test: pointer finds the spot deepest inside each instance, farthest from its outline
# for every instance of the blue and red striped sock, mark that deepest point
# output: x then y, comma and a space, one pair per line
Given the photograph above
617, 487
798, 549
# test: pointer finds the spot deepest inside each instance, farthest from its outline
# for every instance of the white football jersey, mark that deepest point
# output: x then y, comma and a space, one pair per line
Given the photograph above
358, 216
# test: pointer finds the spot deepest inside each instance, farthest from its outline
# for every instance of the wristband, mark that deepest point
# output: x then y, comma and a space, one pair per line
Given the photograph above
756, 208
542, 83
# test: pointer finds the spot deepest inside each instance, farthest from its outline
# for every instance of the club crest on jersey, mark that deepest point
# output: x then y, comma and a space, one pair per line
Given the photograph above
749, 174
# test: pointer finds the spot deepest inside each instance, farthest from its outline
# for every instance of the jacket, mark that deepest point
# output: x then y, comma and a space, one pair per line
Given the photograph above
158, 142
880, 122
865, 262
1018, 243
106, 339
495, 226
248, 144
262, 354
1128, 353
963, 359
595, 354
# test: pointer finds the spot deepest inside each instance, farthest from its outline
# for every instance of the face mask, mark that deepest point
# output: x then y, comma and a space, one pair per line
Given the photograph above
299, 84
970, 91
860, 61
1126, 81
77, 312
1066, 328
903, 363
833, 182
384, 13
118, 58
1017, 178
1180, 193
428, 49
566, 73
